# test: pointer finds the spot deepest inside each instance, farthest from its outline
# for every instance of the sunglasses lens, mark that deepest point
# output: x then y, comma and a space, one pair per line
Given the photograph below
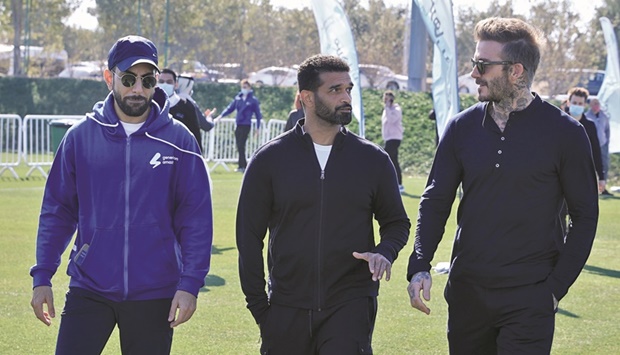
128, 80
149, 82
480, 67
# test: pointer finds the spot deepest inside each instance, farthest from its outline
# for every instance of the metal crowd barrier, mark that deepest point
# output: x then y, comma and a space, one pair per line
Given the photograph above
30, 142
10, 143
37, 142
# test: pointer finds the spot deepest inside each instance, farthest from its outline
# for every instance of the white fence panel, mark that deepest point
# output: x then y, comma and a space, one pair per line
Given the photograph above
31, 140
10, 143
37, 141
220, 145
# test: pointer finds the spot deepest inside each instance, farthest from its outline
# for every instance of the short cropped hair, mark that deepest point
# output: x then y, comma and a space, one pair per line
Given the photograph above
521, 42
171, 72
579, 92
245, 81
309, 71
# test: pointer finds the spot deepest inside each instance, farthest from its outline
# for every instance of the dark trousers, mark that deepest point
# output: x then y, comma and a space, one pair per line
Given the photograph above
516, 320
391, 147
339, 330
88, 320
241, 137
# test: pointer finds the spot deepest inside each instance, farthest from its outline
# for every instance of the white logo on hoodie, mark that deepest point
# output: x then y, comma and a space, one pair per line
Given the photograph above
155, 160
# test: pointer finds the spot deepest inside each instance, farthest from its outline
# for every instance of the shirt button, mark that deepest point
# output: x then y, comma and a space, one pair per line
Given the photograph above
497, 165
499, 151
503, 138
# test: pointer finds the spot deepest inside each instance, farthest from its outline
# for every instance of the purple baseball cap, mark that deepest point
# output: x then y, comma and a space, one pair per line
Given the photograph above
131, 50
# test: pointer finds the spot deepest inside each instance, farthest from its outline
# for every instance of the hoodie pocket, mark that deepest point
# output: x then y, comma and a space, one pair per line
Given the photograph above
154, 258
100, 263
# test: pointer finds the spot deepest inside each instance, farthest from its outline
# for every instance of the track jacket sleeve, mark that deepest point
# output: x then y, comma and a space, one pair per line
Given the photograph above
59, 214
230, 108
389, 211
253, 214
436, 203
193, 223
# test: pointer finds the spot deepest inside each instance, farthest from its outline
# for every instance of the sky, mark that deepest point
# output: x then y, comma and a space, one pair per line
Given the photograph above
82, 19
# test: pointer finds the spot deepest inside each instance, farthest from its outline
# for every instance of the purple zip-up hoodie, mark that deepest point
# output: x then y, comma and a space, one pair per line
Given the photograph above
141, 206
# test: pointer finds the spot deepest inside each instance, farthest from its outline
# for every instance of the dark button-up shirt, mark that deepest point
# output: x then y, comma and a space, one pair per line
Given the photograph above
514, 182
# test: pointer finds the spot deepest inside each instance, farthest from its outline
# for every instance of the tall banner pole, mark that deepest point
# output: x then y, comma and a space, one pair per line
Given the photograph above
439, 21
609, 94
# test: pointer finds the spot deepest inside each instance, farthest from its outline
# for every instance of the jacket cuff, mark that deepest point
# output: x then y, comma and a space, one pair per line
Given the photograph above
189, 285
41, 278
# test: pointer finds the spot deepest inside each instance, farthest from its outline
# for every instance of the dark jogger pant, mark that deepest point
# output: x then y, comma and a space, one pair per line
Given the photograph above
391, 147
345, 329
241, 137
515, 320
88, 320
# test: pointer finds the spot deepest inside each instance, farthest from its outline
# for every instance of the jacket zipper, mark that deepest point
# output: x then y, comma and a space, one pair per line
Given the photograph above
126, 242
318, 273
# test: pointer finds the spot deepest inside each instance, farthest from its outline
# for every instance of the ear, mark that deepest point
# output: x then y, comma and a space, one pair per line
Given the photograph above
517, 70
107, 76
307, 98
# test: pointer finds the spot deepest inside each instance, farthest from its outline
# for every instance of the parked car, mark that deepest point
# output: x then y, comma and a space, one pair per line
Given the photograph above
275, 76
228, 72
381, 77
83, 70
194, 69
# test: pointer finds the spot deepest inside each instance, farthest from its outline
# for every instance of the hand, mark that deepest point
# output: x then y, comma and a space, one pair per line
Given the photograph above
209, 113
43, 295
601, 186
185, 302
377, 263
217, 119
420, 281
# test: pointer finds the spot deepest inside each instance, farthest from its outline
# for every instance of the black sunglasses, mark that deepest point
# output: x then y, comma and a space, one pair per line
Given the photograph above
128, 80
481, 65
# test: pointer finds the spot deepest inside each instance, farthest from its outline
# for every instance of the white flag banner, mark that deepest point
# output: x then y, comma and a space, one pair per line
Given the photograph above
439, 22
336, 39
609, 94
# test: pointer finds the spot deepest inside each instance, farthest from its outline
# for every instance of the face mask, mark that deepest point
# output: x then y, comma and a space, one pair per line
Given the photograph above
245, 91
576, 110
168, 88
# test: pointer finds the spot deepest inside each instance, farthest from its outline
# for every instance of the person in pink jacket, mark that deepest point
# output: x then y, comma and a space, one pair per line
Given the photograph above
392, 131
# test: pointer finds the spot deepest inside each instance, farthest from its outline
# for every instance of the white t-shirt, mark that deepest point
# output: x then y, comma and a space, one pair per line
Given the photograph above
322, 153
131, 128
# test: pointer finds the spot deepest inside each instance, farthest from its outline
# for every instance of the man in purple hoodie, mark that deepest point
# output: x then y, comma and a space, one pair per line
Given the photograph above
131, 181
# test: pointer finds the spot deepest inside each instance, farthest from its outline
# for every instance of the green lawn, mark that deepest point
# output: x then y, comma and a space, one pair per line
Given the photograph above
586, 323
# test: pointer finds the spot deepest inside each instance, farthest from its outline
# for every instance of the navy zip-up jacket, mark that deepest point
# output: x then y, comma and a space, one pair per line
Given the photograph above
316, 219
514, 182
141, 206
245, 109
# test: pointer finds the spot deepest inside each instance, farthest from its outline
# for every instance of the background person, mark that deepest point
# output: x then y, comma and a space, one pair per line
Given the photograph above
144, 229
296, 113
577, 98
601, 120
180, 108
392, 132
517, 158
246, 105
316, 189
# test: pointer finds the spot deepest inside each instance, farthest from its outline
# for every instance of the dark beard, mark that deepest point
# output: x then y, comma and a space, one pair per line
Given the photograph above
132, 110
498, 89
333, 117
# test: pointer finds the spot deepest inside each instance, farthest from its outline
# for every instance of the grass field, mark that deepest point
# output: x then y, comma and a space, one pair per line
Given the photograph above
587, 322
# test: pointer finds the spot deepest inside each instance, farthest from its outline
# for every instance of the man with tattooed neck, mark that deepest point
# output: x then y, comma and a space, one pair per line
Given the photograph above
517, 158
